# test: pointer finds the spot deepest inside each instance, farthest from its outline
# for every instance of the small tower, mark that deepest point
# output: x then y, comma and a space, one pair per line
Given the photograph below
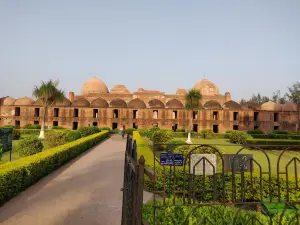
71, 96
227, 96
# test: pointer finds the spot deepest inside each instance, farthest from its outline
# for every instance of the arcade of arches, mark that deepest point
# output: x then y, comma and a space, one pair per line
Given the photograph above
97, 106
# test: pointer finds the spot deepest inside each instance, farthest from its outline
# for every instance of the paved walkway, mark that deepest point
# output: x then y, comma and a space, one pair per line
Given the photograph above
84, 192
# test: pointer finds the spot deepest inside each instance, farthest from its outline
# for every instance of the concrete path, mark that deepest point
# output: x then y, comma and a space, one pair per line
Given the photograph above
84, 192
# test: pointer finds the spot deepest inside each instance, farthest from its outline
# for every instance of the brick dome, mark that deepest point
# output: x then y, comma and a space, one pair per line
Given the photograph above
271, 106
94, 86
136, 104
174, 103
289, 106
206, 87
231, 105
181, 91
24, 101
212, 104
8, 101
119, 89
251, 105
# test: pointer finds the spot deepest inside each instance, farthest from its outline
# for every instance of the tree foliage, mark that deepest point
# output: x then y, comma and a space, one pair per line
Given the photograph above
192, 102
294, 93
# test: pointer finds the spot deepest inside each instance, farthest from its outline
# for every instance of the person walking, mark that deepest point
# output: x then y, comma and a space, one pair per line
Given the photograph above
123, 132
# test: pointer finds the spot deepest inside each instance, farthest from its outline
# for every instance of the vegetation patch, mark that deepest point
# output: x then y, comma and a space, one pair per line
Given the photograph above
29, 146
17, 175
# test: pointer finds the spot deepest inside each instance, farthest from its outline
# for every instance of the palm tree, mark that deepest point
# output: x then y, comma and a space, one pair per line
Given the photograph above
192, 102
49, 94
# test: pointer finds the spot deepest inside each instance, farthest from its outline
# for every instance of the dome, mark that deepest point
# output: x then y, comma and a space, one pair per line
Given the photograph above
8, 101
231, 105
118, 103
289, 106
119, 89
65, 103
174, 103
136, 104
81, 102
24, 101
251, 105
181, 91
99, 103
212, 104
155, 103
271, 106
206, 87
94, 86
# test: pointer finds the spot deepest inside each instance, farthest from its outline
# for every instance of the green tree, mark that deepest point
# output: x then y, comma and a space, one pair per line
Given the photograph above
276, 97
192, 103
294, 96
49, 94
259, 99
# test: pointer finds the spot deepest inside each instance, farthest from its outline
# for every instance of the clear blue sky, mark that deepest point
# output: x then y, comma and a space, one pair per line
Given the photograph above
242, 46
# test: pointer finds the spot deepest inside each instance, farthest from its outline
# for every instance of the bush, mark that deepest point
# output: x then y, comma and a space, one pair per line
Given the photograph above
276, 136
105, 128
1, 151
19, 174
207, 134
160, 138
34, 126
275, 144
227, 133
16, 134
173, 144
280, 132
86, 131
151, 131
30, 131
143, 149
57, 128
55, 138
180, 130
29, 146
256, 131
130, 130
9, 126
216, 214
73, 135
238, 137
144, 132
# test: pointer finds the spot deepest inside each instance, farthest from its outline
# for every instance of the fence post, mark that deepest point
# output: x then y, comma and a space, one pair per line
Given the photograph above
140, 189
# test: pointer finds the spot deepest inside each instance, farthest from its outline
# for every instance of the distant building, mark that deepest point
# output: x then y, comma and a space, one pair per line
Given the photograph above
96, 106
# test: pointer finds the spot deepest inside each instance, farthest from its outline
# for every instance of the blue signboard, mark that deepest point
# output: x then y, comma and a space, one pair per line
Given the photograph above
171, 159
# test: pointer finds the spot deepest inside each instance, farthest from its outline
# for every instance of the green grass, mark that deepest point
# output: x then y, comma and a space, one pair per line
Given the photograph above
14, 153
229, 148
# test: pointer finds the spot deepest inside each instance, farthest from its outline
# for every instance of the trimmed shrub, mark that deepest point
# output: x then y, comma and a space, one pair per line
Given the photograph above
216, 214
160, 138
180, 130
256, 131
227, 133
275, 144
144, 132
151, 131
86, 131
1, 151
130, 130
30, 131
279, 132
105, 128
73, 135
32, 126
19, 174
16, 134
207, 134
276, 136
238, 137
55, 138
9, 126
143, 149
29, 146
57, 128
173, 144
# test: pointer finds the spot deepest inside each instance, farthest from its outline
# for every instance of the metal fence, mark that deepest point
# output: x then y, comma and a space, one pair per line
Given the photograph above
213, 187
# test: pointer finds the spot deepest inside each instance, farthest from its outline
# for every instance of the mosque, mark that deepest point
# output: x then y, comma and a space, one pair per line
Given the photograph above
97, 106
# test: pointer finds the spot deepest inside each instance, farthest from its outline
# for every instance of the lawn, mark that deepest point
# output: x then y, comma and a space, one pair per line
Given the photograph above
14, 153
228, 148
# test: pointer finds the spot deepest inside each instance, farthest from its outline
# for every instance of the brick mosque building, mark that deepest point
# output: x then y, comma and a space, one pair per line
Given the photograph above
97, 106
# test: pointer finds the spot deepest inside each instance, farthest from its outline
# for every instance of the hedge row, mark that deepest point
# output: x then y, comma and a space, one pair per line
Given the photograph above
276, 136
278, 144
31, 131
17, 175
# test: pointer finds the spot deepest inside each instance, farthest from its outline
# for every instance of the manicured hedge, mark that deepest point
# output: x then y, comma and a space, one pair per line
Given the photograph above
31, 131
17, 175
276, 136
217, 214
277, 144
